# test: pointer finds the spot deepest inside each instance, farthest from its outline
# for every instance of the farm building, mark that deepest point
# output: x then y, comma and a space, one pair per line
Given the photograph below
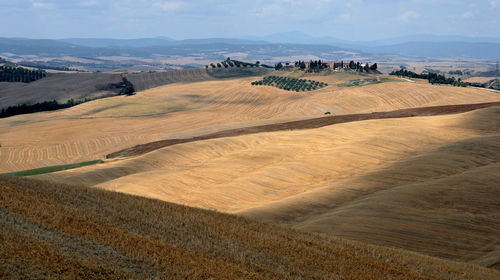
335, 65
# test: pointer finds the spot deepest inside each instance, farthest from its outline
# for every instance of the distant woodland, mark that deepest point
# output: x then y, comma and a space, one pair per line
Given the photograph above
38, 107
19, 74
435, 78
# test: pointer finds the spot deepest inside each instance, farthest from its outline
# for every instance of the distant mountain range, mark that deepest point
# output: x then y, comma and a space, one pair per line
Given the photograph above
157, 41
204, 48
302, 38
412, 46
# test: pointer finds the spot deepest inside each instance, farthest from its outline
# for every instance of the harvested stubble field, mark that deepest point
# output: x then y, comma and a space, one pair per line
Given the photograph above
78, 86
421, 181
479, 79
59, 87
324, 180
56, 231
92, 130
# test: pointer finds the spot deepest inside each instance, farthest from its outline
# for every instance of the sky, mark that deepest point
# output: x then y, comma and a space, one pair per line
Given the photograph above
183, 19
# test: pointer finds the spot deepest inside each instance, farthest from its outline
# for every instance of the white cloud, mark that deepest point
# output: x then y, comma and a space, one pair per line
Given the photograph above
408, 16
41, 5
298, 11
89, 3
345, 16
168, 5
270, 10
494, 3
468, 15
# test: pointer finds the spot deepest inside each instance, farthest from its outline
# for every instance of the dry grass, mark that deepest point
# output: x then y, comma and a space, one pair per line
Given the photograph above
305, 124
53, 231
143, 81
479, 79
60, 87
441, 203
64, 86
305, 178
92, 130
427, 184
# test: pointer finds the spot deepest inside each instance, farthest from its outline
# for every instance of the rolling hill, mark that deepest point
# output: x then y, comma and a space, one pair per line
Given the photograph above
420, 45
94, 129
59, 87
339, 180
78, 86
58, 231
257, 47
399, 164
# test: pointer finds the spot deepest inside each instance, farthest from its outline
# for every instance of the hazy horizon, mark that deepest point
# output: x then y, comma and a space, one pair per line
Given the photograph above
356, 20
252, 37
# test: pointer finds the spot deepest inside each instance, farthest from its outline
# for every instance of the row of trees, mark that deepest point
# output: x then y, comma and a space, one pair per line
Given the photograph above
318, 66
290, 84
360, 67
435, 78
405, 73
19, 74
38, 107
311, 66
229, 63
280, 65
300, 64
225, 64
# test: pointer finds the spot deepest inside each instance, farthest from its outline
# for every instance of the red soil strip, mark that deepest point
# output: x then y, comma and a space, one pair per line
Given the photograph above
305, 124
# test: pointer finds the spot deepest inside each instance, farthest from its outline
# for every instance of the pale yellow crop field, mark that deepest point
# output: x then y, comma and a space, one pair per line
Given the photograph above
92, 130
479, 79
428, 183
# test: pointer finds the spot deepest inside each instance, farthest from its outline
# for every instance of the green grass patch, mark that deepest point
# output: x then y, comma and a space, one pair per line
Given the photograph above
290, 84
55, 168
365, 82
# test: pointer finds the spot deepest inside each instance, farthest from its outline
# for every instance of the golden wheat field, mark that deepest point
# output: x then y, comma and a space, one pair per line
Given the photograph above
420, 181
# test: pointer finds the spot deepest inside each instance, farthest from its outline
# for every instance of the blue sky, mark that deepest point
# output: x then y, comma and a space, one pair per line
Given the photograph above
181, 19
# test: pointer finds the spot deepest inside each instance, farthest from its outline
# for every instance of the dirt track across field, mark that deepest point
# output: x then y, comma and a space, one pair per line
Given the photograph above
306, 124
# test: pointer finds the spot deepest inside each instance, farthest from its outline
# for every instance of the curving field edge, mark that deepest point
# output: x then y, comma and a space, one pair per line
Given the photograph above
305, 124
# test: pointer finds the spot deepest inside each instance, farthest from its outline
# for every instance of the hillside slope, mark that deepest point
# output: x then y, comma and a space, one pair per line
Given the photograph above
56, 231
144, 81
441, 203
316, 179
64, 86
92, 130
60, 87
